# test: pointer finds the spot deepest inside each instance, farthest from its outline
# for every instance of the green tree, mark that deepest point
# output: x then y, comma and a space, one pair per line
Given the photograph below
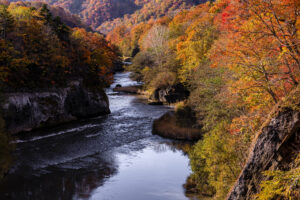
45, 15
62, 31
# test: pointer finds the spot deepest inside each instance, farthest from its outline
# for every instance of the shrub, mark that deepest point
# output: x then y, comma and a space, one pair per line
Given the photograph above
163, 80
139, 63
281, 184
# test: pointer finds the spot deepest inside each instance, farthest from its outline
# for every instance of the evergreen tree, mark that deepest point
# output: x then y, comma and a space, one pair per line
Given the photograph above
6, 22
46, 15
62, 31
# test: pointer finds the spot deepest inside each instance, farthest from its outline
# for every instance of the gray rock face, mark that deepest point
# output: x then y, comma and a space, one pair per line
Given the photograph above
28, 111
274, 148
171, 94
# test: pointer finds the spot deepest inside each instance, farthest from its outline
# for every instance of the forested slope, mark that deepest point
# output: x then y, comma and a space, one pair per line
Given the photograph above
38, 50
238, 59
104, 15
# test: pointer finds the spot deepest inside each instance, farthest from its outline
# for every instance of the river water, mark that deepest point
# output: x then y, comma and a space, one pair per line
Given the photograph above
113, 157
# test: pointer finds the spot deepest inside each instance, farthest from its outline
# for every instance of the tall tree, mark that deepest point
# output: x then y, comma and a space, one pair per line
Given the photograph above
6, 22
45, 14
156, 42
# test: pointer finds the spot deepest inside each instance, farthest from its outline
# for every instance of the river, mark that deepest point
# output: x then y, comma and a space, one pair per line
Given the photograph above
113, 157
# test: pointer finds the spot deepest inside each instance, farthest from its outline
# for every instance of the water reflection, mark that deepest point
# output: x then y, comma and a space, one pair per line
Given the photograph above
155, 172
175, 146
61, 182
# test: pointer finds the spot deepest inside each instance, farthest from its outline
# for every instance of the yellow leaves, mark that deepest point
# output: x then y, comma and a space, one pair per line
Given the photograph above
193, 50
21, 13
282, 54
284, 50
78, 33
281, 184
214, 9
216, 160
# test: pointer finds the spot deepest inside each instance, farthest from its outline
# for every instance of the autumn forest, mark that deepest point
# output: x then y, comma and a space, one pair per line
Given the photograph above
238, 62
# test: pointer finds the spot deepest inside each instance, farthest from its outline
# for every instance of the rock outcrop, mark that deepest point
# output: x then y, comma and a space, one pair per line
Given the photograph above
274, 148
128, 89
26, 111
171, 94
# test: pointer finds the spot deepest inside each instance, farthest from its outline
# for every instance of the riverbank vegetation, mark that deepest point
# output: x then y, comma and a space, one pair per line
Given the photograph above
38, 50
237, 58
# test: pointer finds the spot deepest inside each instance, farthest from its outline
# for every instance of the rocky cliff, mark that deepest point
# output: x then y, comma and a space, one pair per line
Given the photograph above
275, 148
31, 110
171, 94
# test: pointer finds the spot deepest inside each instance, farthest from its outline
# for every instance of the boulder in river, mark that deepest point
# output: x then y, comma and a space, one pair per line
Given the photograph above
171, 94
155, 103
127, 89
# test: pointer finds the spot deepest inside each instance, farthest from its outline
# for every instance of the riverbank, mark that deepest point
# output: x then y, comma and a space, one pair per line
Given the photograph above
170, 95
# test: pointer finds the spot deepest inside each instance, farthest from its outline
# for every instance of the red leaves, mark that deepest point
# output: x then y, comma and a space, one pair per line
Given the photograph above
225, 16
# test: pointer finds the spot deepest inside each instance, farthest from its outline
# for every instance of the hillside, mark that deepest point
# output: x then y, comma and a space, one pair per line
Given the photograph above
96, 12
114, 12
38, 50
237, 61
149, 10
67, 17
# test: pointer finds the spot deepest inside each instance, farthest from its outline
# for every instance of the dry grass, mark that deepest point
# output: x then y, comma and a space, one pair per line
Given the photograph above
166, 126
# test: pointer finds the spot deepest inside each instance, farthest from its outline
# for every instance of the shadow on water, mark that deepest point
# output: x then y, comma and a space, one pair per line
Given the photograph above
59, 183
111, 157
85, 178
